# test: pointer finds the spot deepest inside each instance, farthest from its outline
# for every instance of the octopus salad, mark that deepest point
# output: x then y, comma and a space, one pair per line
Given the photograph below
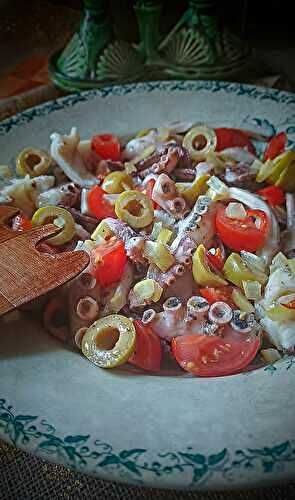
191, 241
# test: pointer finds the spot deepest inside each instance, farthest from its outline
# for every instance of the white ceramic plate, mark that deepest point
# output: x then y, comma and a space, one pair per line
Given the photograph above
158, 431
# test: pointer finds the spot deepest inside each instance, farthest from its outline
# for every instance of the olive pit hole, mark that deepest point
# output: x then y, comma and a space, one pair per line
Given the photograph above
107, 339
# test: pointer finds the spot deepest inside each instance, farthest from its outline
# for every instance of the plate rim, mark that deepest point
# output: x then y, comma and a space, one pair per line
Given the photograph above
203, 467
45, 108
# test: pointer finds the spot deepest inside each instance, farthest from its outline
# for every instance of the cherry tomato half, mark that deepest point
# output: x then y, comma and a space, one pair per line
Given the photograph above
290, 305
213, 356
108, 261
107, 146
232, 137
148, 350
98, 205
221, 294
216, 257
242, 234
21, 223
276, 146
274, 195
149, 191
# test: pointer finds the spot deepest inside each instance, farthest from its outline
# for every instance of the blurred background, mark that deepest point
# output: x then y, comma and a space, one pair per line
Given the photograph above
32, 30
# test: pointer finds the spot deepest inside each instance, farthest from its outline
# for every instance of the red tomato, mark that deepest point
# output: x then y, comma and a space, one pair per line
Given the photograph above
21, 223
276, 146
273, 195
149, 191
221, 294
148, 350
290, 305
213, 356
216, 257
98, 206
107, 146
242, 234
232, 137
109, 260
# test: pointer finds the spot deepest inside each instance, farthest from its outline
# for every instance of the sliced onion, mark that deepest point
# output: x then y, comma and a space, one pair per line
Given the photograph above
235, 211
290, 207
256, 165
286, 299
240, 155
253, 262
279, 261
179, 127
84, 202
218, 187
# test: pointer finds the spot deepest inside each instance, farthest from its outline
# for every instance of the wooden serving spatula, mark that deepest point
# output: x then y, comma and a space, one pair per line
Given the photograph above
25, 273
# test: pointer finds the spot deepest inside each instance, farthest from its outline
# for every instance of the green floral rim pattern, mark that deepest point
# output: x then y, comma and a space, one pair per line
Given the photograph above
80, 453
171, 86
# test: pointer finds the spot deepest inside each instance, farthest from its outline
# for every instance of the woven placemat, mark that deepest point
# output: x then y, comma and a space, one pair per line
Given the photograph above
23, 477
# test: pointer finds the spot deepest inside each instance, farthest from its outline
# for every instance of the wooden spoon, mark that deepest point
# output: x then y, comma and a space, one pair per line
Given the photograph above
25, 273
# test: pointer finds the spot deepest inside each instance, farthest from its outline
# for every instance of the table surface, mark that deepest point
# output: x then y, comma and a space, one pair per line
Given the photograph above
23, 476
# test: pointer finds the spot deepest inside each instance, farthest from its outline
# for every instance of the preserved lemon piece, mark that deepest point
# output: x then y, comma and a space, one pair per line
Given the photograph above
164, 235
201, 271
197, 187
148, 289
61, 218
236, 271
135, 208
109, 341
101, 231
33, 162
158, 253
242, 302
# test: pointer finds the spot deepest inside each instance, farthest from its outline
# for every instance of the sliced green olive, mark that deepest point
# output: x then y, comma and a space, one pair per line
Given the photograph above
117, 182
33, 162
199, 141
61, 218
109, 341
135, 208
5, 172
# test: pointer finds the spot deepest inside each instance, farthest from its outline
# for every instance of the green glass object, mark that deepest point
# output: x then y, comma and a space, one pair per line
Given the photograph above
197, 47
148, 15
93, 56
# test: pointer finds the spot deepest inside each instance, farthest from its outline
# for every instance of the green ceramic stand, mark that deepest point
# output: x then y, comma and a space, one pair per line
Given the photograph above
197, 47
93, 56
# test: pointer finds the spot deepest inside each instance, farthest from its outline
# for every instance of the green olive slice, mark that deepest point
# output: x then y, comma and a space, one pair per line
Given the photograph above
61, 218
109, 341
135, 208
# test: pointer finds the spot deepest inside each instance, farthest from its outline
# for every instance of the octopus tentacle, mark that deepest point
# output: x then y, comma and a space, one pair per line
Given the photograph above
165, 160
166, 195
177, 319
